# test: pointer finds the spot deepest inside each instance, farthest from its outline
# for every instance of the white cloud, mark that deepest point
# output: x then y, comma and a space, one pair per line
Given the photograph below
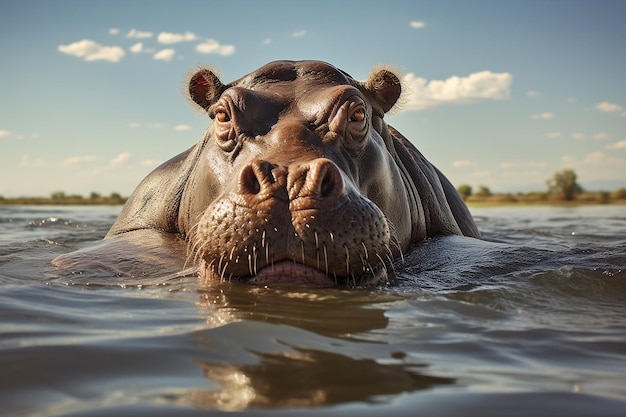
484, 85
93, 51
18, 136
543, 116
517, 166
169, 38
136, 48
481, 174
149, 162
600, 136
165, 54
299, 33
28, 161
114, 31
554, 135
137, 34
532, 93
134, 125
578, 136
617, 145
211, 46
78, 159
416, 24
120, 159
608, 107
508, 165
267, 41
464, 163
594, 158
182, 128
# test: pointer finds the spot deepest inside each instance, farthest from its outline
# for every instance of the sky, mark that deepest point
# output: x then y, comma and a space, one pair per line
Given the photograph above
497, 93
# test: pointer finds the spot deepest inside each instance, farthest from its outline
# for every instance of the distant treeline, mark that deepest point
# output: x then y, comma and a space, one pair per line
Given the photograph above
60, 198
537, 197
562, 188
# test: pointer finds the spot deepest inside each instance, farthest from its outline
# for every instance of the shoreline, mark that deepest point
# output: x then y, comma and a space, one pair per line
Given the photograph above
486, 203
44, 201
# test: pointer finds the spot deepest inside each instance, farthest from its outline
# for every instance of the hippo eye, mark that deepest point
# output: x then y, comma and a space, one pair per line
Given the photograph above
358, 116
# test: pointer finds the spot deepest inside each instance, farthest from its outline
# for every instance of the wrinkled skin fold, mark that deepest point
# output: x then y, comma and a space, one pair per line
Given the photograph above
297, 180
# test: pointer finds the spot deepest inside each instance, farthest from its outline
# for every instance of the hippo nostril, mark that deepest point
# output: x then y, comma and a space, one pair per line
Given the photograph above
248, 181
257, 176
317, 180
328, 184
328, 178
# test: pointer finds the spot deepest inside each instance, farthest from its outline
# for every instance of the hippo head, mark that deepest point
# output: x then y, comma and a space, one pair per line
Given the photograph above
295, 180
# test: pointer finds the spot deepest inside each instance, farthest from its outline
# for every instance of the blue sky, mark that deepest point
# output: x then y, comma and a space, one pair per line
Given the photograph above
503, 93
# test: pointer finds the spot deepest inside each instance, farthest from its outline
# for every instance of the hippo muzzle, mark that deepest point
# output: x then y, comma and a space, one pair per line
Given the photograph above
304, 222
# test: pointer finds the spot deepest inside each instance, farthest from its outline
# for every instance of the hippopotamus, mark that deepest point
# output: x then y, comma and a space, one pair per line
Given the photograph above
298, 179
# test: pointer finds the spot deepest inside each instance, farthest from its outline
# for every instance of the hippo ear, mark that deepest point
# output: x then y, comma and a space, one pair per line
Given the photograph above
385, 87
205, 88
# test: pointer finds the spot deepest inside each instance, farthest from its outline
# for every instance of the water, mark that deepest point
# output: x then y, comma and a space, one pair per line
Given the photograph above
532, 322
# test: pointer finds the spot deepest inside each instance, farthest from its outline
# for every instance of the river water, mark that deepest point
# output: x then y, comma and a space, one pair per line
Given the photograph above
530, 322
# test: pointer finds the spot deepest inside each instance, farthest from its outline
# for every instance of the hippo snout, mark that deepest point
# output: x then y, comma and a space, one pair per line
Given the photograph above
305, 214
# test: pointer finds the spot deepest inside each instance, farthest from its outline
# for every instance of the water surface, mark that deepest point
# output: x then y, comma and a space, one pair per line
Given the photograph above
533, 321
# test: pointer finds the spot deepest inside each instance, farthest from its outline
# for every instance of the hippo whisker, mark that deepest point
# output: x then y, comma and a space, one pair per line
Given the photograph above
219, 265
223, 272
365, 249
365, 266
253, 258
317, 248
250, 264
347, 261
388, 268
193, 252
389, 261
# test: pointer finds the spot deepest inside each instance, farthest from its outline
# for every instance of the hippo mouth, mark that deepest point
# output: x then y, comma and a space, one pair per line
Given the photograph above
289, 272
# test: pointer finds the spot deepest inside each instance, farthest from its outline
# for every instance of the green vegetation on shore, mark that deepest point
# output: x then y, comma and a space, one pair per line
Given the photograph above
538, 198
60, 198
563, 189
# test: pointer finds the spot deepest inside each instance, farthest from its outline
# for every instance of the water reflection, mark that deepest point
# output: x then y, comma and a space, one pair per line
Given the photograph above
308, 377
282, 348
331, 312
